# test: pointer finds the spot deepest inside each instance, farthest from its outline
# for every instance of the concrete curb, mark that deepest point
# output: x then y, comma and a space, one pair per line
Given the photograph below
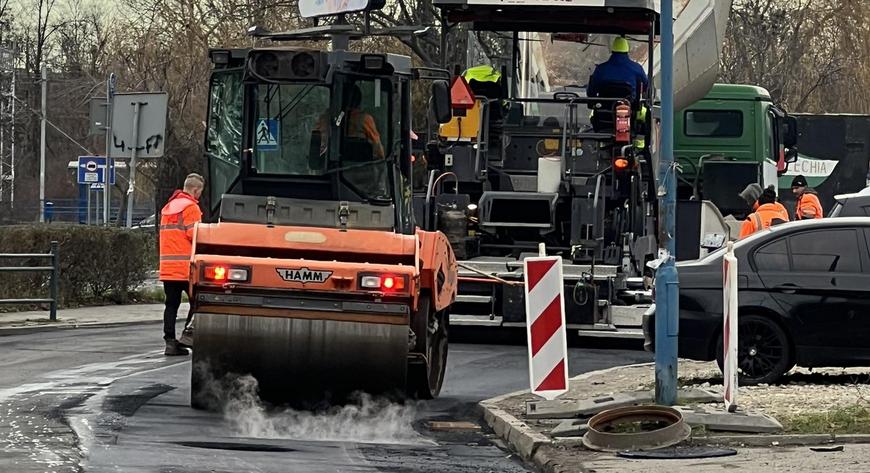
528, 443
782, 440
522, 438
28, 329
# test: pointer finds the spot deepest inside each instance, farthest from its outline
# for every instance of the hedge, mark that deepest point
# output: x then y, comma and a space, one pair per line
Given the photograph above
98, 265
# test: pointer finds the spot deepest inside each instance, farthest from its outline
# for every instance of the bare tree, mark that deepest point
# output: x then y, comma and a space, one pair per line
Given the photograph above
810, 54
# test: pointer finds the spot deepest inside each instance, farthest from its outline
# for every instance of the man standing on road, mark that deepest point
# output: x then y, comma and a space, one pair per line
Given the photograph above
807, 205
768, 213
177, 221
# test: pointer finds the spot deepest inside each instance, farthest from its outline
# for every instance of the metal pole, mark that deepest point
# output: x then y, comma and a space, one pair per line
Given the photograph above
44, 82
88, 220
132, 184
667, 283
12, 144
55, 276
110, 102
98, 214
2, 140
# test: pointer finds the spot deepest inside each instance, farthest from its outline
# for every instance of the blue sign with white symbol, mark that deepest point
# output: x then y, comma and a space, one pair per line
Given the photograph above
91, 170
267, 134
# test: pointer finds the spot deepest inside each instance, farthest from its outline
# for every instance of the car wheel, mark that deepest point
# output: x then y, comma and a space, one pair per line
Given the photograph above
763, 351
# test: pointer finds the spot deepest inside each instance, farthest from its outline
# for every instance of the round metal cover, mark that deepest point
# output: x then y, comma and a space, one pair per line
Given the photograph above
636, 428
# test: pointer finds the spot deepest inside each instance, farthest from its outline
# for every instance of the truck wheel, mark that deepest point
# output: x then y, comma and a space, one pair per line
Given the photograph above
425, 379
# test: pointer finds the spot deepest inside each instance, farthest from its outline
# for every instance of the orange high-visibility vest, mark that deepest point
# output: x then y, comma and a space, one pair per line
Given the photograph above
808, 207
177, 221
762, 218
362, 125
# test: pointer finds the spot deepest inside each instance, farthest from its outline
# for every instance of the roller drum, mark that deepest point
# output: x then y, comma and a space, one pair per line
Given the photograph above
297, 360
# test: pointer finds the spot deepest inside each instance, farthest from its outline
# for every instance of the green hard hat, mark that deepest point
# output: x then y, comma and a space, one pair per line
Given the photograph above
620, 45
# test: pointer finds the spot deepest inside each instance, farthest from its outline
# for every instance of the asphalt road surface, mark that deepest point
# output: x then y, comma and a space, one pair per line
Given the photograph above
107, 400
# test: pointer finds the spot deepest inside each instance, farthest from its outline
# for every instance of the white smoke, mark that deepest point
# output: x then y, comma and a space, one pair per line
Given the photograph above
366, 419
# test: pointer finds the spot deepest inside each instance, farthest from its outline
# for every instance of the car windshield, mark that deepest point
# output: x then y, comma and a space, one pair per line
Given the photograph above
294, 128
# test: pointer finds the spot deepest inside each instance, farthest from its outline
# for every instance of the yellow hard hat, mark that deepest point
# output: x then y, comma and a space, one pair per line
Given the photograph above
620, 45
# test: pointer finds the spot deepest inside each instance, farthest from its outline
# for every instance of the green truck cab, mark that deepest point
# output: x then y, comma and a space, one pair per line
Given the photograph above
734, 136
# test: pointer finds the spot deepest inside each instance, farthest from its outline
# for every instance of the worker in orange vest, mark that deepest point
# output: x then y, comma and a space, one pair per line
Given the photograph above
178, 218
807, 205
768, 213
361, 124
751, 194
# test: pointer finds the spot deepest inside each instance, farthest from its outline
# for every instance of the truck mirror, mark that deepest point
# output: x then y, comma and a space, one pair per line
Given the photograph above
441, 101
791, 155
789, 133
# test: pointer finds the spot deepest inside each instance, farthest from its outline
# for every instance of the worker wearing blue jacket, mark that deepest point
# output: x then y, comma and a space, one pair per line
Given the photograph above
619, 68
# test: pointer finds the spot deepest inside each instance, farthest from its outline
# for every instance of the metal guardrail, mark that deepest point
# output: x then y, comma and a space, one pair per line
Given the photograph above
53, 281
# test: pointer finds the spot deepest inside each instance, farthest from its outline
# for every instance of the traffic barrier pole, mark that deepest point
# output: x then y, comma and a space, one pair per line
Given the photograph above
545, 326
729, 327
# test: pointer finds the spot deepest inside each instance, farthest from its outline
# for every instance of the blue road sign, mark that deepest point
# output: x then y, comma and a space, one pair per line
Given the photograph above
267, 134
92, 168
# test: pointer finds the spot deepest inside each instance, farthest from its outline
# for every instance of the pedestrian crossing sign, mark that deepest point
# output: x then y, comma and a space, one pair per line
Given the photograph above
267, 134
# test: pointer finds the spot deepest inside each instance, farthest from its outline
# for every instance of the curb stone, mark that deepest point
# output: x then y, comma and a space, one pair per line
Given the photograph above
539, 449
514, 431
522, 438
28, 329
784, 439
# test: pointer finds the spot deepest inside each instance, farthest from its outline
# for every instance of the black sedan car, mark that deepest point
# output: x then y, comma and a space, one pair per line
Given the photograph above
804, 295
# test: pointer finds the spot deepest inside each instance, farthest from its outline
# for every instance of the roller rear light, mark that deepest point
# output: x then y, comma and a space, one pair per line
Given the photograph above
223, 273
383, 282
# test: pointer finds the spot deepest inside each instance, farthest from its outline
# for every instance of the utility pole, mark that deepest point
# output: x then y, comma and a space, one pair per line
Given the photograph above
42, 145
107, 173
667, 282
132, 183
12, 144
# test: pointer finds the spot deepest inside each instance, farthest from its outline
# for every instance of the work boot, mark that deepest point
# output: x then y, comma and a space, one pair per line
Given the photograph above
173, 348
186, 339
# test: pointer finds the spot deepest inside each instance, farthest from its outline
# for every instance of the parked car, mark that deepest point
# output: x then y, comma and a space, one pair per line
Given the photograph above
147, 222
804, 295
852, 205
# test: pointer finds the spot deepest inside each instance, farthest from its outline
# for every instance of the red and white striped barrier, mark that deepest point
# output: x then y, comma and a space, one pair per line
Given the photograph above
729, 327
545, 326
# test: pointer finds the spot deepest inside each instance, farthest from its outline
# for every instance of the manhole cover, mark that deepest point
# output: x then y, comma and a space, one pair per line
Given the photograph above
636, 428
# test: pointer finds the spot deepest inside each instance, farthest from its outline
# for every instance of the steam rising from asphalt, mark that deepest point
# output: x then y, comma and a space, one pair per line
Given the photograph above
365, 420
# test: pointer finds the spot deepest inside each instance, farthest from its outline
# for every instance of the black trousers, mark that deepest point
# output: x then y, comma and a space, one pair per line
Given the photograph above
173, 290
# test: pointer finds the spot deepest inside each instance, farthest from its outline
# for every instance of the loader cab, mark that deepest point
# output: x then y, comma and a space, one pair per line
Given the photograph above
317, 134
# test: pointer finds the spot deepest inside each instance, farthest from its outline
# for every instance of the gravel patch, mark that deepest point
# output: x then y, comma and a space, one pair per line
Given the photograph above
801, 392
